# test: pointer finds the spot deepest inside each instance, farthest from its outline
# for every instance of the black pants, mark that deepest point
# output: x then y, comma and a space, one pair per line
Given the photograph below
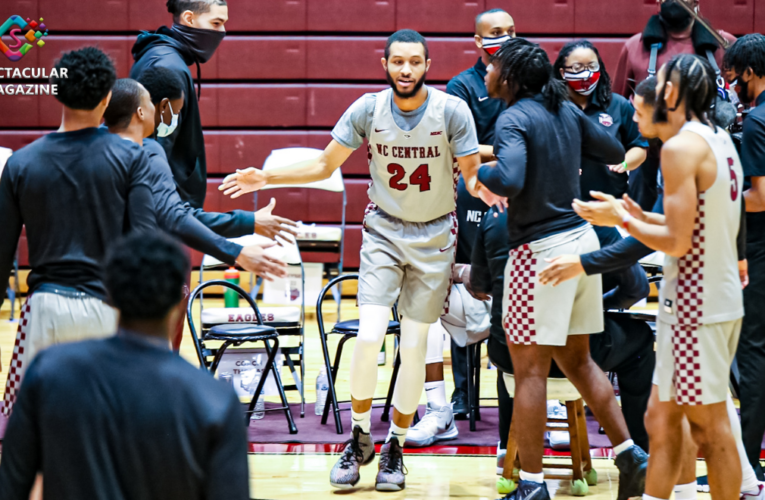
625, 348
459, 367
750, 355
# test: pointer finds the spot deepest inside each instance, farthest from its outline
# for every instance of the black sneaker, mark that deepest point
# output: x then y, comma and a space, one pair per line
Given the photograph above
529, 490
460, 404
632, 464
392, 473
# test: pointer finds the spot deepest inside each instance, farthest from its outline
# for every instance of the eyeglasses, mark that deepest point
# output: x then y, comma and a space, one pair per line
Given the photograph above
579, 67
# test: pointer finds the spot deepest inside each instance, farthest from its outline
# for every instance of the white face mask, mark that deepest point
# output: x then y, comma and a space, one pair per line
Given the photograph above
164, 130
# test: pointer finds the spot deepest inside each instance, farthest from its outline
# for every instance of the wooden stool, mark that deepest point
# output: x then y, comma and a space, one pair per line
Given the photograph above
582, 473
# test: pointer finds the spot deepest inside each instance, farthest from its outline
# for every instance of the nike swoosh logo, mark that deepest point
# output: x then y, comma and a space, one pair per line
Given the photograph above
442, 250
431, 389
450, 423
481, 99
380, 130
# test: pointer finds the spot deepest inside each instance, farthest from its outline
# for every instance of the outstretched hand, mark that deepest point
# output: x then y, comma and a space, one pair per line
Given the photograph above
243, 181
253, 258
269, 225
607, 212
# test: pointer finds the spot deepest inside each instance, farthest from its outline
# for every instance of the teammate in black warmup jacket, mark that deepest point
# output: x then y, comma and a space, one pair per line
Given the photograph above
131, 115
76, 191
125, 417
539, 142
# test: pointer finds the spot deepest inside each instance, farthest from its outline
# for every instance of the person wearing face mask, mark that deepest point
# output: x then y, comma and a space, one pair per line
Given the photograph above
670, 32
589, 86
745, 69
492, 28
197, 31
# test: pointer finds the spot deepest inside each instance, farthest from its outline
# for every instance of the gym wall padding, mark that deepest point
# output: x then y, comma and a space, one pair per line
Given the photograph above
289, 68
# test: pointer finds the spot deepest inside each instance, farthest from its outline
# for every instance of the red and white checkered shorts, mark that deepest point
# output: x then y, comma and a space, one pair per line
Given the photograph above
547, 315
693, 362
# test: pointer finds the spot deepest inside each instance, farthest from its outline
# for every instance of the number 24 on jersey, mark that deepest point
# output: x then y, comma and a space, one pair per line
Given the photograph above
420, 177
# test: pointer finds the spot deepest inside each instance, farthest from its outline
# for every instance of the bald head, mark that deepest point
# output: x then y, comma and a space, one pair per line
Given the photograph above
494, 23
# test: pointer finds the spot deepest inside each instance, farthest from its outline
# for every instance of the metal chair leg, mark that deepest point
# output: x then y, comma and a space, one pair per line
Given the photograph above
477, 373
270, 355
391, 387
219, 356
471, 413
331, 374
280, 386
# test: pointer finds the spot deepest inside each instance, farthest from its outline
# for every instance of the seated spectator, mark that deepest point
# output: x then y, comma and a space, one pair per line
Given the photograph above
125, 417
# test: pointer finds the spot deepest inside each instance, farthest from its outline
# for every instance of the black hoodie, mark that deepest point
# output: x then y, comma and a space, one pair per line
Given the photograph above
185, 146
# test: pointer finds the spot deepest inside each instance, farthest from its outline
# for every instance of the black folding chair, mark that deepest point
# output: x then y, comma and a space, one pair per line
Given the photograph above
474, 383
349, 329
236, 335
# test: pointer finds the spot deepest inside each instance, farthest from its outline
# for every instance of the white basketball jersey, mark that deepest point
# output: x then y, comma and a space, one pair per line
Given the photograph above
414, 174
703, 286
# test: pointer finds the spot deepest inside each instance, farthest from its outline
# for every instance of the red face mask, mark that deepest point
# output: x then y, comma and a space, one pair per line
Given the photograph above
585, 82
492, 45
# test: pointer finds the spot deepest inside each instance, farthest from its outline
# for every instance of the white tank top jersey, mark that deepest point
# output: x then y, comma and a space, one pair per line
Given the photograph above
414, 174
703, 286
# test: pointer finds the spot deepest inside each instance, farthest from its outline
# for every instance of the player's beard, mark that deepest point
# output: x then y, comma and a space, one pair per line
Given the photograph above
406, 95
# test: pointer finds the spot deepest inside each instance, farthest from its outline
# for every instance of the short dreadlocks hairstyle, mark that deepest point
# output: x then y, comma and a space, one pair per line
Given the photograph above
90, 75
178, 7
527, 70
747, 52
695, 81
602, 95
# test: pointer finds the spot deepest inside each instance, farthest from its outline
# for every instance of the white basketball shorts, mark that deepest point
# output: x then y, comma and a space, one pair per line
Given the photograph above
538, 314
412, 260
693, 362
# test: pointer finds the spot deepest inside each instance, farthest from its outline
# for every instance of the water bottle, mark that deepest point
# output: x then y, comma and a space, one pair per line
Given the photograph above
231, 297
260, 404
381, 356
227, 378
322, 389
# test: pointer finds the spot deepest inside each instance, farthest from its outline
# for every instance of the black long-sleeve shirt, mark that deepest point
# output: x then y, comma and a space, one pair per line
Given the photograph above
76, 193
539, 154
177, 217
124, 418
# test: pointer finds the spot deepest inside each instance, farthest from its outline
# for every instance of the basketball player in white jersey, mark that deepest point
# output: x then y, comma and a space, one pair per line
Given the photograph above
415, 132
701, 305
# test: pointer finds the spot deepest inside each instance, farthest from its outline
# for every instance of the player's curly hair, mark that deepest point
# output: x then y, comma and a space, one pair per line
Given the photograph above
602, 95
161, 83
695, 81
747, 52
145, 274
178, 7
527, 70
90, 75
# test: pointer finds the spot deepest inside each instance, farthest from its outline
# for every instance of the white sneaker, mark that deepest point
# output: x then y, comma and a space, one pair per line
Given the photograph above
437, 424
760, 495
559, 440
501, 460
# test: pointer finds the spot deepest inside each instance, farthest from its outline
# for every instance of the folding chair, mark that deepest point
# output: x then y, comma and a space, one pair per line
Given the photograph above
474, 383
313, 238
349, 329
236, 335
288, 321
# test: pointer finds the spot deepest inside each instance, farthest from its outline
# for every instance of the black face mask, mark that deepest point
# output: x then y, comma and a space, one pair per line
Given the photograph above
406, 95
201, 42
674, 17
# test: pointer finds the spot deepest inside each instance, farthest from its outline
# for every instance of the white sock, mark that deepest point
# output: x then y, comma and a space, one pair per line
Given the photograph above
397, 433
649, 497
749, 482
685, 491
623, 447
436, 392
363, 420
535, 478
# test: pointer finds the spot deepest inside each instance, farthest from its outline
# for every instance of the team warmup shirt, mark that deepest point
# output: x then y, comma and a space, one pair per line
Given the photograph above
124, 418
538, 160
177, 217
470, 87
414, 183
76, 193
753, 162
617, 121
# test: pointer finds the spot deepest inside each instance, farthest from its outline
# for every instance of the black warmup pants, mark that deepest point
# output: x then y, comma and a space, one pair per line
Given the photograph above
750, 355
459, 367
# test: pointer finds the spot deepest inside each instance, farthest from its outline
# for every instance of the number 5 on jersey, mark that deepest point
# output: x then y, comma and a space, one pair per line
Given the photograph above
419, 177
